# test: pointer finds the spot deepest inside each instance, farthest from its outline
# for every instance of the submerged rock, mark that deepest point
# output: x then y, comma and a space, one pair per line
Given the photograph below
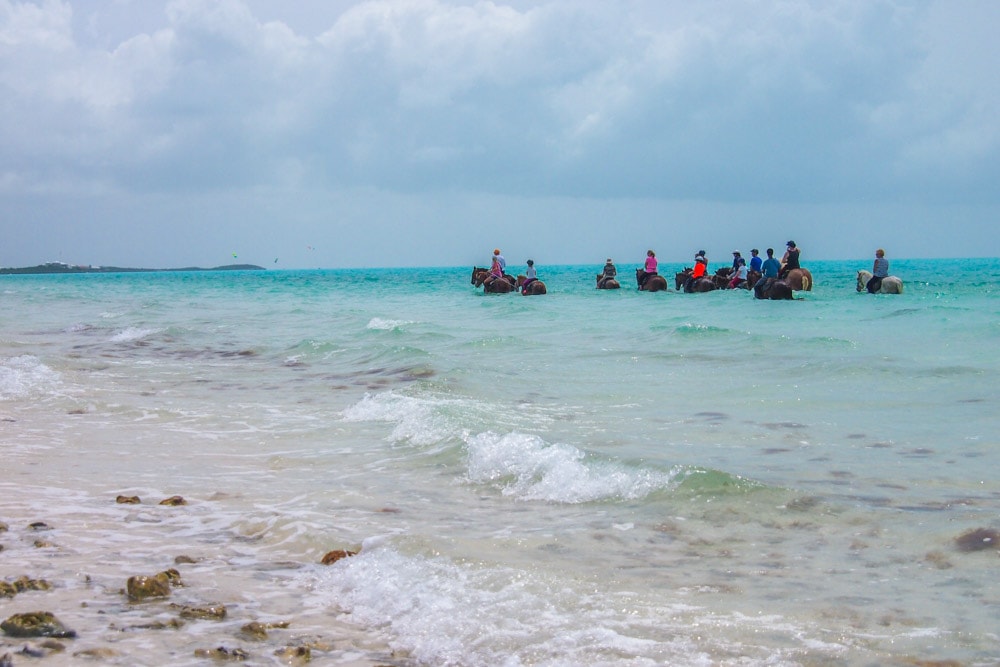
102, 653
978, 540
222, 653
36, 624
141, 587
25, 583
335, 555
215, 612
258, 630
297, 653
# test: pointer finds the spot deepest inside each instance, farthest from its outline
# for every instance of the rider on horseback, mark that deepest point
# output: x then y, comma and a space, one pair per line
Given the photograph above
700, 268
609, 273
649, 269
790, 260
769, 270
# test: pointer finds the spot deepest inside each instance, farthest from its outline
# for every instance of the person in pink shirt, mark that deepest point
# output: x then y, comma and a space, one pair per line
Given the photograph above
649, 269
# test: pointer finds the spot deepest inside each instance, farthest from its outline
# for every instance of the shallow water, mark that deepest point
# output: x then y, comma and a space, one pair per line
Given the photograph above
583, 478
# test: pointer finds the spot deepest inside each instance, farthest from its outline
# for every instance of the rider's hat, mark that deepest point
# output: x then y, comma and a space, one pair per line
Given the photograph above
736, 252
701, 253
609, 260
791, 244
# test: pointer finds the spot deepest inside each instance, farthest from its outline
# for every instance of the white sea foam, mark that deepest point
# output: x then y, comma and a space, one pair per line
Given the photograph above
420, 421
25, 376
528, 468
443, 613
380, 324
131, 334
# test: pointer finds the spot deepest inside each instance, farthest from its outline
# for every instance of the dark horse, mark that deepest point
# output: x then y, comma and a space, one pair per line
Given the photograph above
481, 276
773, 289
654, 283
536, 286
610, 283
703, 284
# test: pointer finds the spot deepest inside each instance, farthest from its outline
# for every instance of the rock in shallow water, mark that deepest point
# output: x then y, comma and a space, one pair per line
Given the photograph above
36, 624
978, 540
141, 587
335, 555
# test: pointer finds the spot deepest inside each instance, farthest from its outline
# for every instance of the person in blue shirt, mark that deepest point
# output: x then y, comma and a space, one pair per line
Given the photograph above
755, 260
769, 269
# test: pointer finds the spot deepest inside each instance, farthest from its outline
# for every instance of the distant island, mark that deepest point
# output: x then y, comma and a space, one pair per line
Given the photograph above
61, 267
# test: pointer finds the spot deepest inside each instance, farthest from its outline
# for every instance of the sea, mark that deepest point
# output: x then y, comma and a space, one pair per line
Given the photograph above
582, 478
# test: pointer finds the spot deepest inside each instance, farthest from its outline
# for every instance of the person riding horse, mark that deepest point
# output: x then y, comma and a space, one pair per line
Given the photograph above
607, 275
700, 268
790, 260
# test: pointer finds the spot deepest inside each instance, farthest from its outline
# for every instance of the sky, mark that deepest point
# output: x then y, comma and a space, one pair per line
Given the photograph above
339, 134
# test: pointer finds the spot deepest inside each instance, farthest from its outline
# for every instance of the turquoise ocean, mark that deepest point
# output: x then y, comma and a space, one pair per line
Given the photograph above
581, 478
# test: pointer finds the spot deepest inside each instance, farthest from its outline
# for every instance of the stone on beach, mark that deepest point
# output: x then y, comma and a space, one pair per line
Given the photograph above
215, 612
141, 587
36, 624
335, 555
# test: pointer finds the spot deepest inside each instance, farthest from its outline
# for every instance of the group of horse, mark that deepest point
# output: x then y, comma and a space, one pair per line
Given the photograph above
796, 280
506, 284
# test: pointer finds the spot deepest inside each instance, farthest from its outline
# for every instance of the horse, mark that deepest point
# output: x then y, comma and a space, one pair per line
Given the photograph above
703, 284
536, 286
774, 289
610, 283
655, 283
799, 280
481, 276
889, 285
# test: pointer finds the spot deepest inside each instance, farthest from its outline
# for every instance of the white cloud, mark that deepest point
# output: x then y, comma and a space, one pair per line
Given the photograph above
719, 101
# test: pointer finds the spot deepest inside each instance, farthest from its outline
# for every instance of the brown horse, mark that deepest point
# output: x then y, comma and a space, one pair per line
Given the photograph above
800, 280
490, 284
703, 284
774, 289
654, 283
534, 287
610, 283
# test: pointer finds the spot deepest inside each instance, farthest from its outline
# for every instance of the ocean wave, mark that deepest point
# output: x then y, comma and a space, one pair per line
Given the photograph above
132, 334
528, 468
419, 421
25, 376
440, 612
379, 324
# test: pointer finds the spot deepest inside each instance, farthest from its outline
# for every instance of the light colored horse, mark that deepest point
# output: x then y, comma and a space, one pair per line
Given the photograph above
890, 284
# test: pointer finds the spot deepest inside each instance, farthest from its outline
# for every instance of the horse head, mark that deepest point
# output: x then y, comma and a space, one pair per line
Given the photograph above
681, 277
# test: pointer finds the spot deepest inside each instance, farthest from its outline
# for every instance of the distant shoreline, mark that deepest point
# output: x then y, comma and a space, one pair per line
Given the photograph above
59, 267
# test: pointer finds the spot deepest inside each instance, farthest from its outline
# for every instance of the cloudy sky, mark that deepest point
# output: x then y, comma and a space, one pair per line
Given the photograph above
329, 133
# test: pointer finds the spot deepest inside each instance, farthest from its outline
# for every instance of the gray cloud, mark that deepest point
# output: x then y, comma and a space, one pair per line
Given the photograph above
727, 102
